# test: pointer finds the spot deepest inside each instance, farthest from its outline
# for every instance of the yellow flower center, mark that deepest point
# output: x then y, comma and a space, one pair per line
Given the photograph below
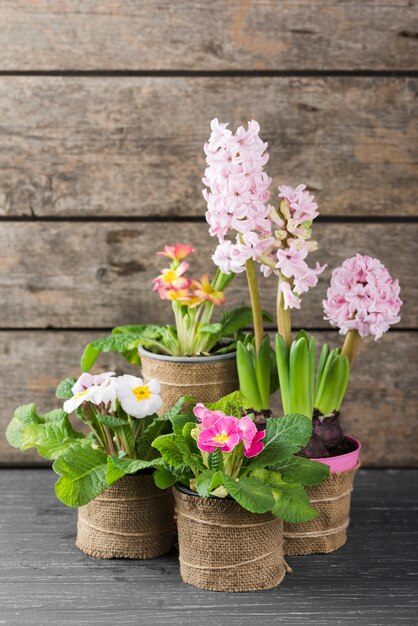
141, 393
222, 438
170, 276
82, 393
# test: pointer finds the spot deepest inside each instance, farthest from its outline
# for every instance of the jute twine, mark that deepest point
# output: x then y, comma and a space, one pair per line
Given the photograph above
328, 531
225, 548
206, 382
133, 519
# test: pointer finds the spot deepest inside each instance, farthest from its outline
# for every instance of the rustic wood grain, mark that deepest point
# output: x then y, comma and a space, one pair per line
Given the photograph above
128, 146
46, 580
199, 35
380, 407
83, 274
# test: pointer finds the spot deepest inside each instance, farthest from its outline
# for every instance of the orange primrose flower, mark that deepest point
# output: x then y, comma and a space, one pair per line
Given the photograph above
177, 252
205, 291
172, 278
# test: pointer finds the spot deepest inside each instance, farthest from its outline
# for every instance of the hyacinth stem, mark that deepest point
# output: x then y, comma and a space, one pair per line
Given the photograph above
351, 346
284, 325
255, 303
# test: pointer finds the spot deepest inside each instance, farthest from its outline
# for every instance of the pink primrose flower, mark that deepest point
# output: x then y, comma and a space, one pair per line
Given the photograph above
205, 416
252, 438
225, 434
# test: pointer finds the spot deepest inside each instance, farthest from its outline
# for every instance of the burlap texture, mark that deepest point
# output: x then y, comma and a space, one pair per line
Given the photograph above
328, 531
133, 519
225, 548
206, 382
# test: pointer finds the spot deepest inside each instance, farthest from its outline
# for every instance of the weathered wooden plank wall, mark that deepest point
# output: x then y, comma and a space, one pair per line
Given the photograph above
104, 107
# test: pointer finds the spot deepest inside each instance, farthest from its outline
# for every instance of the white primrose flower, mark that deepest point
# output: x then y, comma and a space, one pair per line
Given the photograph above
82, 396
106, 393
137, 398
86, 380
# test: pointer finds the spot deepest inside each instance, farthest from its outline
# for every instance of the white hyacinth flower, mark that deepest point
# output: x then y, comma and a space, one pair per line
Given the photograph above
137, 398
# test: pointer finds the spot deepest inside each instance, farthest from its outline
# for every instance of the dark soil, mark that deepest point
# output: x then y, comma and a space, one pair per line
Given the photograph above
260, 417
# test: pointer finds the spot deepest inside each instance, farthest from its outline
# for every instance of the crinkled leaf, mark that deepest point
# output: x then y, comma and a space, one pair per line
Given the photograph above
111, 420
50, 439
124, 343
291, 500
284, 436
305, 471
215, 460
63, 391
167, 446
211, 329
164, 479
251, 493
83, 475
235, 320
152, 430
208, 481
119, 467
232, 404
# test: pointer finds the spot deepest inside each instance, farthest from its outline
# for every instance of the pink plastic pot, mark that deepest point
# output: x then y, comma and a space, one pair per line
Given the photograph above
344, 462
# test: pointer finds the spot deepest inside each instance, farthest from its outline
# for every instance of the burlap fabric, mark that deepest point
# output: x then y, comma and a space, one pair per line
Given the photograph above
225, 548
205, 381
328, 531
133, 519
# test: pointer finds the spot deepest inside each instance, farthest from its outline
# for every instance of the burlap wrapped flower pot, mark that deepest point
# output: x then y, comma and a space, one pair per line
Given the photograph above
132, 519
332, 499
205, 378
223, 547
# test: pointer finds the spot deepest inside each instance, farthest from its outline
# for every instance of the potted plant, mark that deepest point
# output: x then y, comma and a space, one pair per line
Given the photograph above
362, 300
194, 357
107, 470
233, 487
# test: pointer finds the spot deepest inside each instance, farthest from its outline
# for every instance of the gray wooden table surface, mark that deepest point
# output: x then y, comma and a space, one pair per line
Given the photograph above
45, 580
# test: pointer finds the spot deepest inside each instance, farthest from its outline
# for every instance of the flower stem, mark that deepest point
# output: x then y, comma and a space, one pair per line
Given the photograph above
284, 325
255, 303
351, 346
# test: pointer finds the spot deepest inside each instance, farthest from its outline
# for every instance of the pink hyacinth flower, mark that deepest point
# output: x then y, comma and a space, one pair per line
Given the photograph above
225, 434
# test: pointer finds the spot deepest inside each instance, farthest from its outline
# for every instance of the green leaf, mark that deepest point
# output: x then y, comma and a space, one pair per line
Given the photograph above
247, 376
111, 420
299, 378
305, 471
235, 320
83, 475
207, 482
123, 343
251, 493
27, 414
118, 467
164, 479
215, 460
211, 329
232, 404
262, 371
167, 446
89, 357
141, 330
291, 500
50, 439
151, 431
284, 436
63, 391
177, 416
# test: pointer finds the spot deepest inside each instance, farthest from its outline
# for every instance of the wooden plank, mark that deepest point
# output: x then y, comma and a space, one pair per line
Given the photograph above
197, 35
83, 274
40, 563
380, 406
133, 146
